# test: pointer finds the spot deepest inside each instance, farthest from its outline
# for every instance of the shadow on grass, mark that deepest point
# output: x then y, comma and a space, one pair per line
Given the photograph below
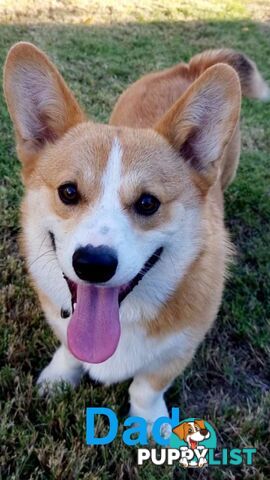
227, 381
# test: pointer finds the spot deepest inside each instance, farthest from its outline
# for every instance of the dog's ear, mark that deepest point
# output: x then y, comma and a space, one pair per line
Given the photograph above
181, 430
200, 124
40, 104
200, 423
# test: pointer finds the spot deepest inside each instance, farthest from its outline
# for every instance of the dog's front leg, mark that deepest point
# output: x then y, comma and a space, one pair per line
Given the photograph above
62, 368
147, 392
147, 400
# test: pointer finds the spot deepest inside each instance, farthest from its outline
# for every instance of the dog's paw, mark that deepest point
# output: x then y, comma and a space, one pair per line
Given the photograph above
183, 462
202, 462
62, 369
52, 379
151, 414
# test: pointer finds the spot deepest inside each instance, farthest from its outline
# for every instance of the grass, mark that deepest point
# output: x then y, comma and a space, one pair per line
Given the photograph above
100, 47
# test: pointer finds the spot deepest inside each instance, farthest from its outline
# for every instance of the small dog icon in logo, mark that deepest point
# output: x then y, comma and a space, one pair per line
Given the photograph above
192, 433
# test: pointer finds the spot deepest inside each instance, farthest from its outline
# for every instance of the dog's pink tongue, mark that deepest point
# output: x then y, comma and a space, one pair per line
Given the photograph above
94, 329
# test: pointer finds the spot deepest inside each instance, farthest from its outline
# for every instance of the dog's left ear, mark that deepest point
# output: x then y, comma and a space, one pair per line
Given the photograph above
40, 104
200, 124
200, 423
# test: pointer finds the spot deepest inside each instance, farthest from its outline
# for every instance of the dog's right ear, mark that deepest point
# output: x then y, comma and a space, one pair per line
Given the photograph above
40, 104
181, 431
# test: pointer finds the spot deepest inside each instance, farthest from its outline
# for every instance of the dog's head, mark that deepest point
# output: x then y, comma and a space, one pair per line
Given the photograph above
192, 432
118, 209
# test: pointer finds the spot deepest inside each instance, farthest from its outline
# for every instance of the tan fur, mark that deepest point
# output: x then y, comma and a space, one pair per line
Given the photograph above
163, 377
146, 101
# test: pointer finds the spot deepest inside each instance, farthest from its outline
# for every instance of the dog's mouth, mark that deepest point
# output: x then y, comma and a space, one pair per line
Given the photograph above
94, 328
193, 444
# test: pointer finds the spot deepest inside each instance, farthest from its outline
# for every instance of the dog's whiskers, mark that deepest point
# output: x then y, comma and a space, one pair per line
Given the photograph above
42, 255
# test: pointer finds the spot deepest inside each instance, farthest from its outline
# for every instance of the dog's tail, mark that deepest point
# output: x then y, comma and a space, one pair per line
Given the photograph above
252, 82
146, 100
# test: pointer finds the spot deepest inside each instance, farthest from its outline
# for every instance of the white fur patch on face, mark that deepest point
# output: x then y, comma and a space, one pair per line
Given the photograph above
111, 179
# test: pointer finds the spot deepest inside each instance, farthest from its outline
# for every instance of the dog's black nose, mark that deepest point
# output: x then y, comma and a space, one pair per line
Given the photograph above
204, 431
95, 264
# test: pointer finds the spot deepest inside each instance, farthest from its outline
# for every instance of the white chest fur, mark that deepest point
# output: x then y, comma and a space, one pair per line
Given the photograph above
139, 353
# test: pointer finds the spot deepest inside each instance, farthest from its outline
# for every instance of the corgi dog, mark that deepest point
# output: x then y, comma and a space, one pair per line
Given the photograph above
122, 224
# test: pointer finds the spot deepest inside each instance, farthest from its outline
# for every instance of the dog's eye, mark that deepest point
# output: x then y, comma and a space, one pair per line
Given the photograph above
68, 193
147, 204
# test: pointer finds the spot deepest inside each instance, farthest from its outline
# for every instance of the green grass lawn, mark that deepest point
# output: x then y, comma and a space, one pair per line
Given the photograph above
100, 49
